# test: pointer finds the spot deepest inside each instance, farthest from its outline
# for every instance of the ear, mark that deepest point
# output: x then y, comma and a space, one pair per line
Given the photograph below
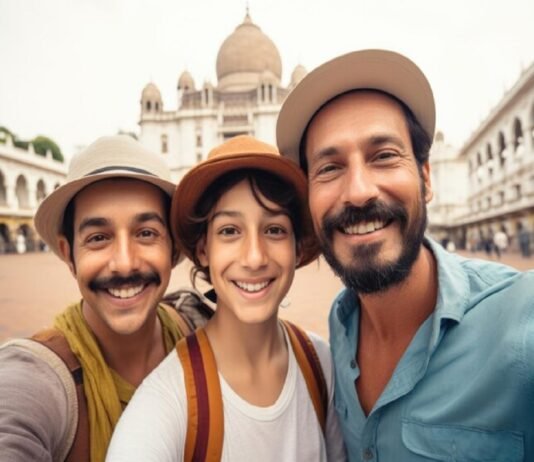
429, 194
64, 249
201, 252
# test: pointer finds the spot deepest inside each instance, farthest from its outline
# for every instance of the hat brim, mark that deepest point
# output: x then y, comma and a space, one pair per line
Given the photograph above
49, 216
198, 179
381, 70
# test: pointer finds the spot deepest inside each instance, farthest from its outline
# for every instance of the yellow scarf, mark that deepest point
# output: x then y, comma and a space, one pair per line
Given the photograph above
107, 393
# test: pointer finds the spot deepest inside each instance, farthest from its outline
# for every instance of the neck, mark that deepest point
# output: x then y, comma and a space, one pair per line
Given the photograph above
246, 345
252, 357
133, 355
400, 310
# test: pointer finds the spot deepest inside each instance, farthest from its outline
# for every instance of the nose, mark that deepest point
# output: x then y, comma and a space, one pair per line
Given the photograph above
124, 258
254, 252
360, 186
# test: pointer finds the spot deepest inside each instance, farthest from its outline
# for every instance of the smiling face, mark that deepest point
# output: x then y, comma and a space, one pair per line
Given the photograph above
122, 253
250, 251
367, 193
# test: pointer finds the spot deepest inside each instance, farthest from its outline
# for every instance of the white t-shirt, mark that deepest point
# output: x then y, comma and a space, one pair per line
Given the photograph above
154, 425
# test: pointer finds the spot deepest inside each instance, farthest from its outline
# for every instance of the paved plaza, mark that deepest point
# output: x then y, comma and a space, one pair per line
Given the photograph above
36, 286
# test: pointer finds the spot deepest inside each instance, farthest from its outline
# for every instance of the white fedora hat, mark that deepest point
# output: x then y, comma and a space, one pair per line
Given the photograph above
382, 70
108, 157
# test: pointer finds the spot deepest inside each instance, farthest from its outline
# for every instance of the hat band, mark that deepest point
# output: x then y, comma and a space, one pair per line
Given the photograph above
119, 167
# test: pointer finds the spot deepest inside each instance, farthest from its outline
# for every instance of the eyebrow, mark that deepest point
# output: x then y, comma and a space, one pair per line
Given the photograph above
100, 222
234, 214
377, 140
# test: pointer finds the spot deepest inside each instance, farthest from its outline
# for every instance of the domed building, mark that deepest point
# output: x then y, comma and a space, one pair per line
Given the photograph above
246, 100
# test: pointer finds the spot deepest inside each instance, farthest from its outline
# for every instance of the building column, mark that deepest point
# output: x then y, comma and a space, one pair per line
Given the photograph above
11, 197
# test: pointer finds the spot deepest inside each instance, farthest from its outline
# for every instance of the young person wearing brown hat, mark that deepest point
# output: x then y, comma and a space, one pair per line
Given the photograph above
62, 392
247, 386
433, 353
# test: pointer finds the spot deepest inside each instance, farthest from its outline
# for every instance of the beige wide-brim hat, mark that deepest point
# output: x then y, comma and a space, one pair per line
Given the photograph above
382, 70
117, 156
240, 152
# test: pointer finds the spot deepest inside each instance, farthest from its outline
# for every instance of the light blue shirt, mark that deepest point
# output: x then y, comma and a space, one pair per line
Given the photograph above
464, 388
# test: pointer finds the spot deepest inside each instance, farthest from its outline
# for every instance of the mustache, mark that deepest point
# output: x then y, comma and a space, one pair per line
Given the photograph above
373, 211
134, 279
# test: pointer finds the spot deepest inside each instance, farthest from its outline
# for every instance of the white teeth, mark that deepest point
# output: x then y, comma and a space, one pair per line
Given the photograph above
126, 292
248, 287
364, 227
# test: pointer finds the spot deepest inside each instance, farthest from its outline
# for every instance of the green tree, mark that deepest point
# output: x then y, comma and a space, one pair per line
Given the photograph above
42, 143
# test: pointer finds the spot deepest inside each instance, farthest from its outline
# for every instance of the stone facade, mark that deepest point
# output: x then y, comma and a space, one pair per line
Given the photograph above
246, 100
25, 180
499, 159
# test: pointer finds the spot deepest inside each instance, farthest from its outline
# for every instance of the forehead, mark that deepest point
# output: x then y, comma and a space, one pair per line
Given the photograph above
360, 109
119, 196
239, 194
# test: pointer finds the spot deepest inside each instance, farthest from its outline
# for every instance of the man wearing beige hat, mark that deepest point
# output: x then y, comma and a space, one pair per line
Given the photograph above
433, 353
62, 392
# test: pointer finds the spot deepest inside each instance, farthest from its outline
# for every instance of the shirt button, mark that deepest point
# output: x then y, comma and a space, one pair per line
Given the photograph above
367, 454
353, 364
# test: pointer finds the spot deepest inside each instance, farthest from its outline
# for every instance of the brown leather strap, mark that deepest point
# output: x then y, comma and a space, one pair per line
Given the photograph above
205, 420
311, 368
55, 341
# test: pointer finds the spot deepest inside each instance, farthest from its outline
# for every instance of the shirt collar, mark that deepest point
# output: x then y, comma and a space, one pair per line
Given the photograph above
453, 292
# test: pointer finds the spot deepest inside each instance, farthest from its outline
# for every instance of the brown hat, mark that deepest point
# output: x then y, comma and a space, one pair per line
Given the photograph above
108, 157
381, 70
240, 152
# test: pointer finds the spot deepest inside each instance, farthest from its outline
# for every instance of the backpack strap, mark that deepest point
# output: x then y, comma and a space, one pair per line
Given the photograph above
54, 340
205, 419
311, 368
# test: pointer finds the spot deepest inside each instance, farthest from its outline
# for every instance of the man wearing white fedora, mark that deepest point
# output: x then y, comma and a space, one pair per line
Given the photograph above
433, 353
62, 392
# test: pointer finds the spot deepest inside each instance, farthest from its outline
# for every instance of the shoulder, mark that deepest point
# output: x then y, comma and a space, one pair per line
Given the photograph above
36, 408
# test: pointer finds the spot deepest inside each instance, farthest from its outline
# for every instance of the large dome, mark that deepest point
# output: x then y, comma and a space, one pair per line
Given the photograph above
244, 56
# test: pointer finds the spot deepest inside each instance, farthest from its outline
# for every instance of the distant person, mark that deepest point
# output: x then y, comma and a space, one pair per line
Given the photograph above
63, 391
433, 352
20, 243
451, 246
500, 242
241, 217
523, 236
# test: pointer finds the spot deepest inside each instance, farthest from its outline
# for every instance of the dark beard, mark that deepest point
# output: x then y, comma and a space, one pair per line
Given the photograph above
369, 276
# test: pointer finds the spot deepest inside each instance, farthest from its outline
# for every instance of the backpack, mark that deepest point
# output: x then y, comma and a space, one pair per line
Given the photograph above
205, 419
52, 347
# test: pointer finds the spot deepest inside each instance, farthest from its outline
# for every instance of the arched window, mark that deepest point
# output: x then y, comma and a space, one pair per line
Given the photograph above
40, 192
157, 106
148, 106
518, 137
21, 191
489, 152
502, 149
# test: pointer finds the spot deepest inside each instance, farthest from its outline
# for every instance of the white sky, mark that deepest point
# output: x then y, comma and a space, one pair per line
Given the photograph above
74, 69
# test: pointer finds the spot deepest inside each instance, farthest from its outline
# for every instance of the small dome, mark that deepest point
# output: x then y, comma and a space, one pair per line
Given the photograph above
186, 82
245, 55
298, 74
151, 92
439, 137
